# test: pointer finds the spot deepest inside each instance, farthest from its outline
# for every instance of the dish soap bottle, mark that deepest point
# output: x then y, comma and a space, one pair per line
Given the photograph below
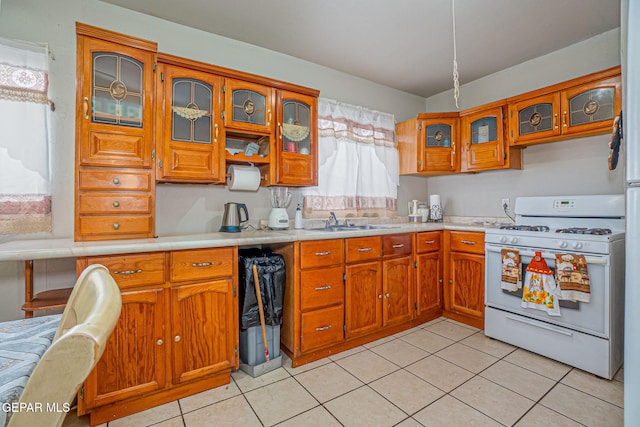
297, 221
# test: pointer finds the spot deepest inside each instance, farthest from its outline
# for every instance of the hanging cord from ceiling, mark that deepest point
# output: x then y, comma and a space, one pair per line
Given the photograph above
456, 82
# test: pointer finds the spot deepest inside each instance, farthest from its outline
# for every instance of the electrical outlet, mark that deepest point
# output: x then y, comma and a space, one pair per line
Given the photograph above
505, 204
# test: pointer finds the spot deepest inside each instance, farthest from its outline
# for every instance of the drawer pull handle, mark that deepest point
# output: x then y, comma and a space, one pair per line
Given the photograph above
323, 328
116, 180
116, 204
159, 342
323, 253
280, 130
116, 225
215, 138
128, 272
364, 249
468, 242
398, 246
203, 264
323, 288
429, 242
86, 107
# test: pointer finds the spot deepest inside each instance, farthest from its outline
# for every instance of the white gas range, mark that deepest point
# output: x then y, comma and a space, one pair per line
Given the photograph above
587, 335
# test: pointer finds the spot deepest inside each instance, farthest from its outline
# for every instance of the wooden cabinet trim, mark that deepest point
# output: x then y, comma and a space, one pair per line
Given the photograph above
112, 36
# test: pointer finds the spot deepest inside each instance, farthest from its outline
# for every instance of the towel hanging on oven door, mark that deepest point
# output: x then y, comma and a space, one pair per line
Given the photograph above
539, 288
511, 270
572, 277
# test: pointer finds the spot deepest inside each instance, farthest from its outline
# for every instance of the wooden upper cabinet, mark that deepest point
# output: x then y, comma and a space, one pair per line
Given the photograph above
534, 119
114, 101
428, 144
249, 106
580, 107
591, 106
483, 146
190, 133
296, 142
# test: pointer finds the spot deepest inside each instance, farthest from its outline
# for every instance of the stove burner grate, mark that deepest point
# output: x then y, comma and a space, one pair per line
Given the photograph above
584, 230
525, 227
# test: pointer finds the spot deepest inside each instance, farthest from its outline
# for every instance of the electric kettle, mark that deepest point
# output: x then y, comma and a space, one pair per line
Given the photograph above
231, 219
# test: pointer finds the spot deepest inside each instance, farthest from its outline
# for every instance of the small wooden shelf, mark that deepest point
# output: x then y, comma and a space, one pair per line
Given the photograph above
241, 158
54, 298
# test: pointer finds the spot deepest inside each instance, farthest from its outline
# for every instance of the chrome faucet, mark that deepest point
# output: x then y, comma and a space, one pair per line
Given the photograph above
332, 219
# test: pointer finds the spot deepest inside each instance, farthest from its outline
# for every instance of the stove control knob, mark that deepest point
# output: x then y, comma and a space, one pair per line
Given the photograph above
563, 244
577, 245
513, 240
503, 239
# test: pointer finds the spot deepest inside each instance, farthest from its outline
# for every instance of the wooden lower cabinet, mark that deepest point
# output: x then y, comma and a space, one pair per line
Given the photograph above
464, 291
347, 292
363, 298
177, 334
429, 276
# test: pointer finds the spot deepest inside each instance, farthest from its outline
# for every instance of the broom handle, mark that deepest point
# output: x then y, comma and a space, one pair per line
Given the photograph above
261, 310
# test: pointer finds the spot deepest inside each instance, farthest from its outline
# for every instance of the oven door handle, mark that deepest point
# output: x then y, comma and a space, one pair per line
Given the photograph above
547, 255
539, 325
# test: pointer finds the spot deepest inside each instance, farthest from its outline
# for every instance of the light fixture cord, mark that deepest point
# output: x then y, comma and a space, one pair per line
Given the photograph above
456, 82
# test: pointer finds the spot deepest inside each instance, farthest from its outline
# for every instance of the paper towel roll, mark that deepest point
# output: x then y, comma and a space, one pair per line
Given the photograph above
243, 178
435, 208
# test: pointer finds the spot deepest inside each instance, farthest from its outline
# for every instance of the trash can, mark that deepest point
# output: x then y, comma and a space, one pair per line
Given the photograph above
272, 278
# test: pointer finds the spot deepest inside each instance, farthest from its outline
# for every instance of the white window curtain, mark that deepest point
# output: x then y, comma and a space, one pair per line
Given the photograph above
25, 180
357, 163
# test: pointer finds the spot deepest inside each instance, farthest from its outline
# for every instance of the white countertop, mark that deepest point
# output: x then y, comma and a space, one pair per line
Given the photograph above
22, 250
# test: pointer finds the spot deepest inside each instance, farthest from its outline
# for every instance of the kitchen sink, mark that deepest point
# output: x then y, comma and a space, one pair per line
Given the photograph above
350, 227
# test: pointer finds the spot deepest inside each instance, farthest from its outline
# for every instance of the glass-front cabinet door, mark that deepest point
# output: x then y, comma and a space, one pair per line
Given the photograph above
296, 139
191, 134
439, 142
115, 114
248, 106
534, 119
591, 106
483, 140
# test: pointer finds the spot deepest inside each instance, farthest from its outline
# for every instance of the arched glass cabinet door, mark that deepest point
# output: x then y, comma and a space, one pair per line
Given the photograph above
191, 138
296, 139
438, 151
535, 118
591, 106
483, 140
248, 106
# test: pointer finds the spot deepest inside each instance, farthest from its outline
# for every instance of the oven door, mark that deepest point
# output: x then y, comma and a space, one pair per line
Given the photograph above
591, 318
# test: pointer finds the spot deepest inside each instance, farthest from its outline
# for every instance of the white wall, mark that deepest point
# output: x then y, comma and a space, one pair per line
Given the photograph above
577, 166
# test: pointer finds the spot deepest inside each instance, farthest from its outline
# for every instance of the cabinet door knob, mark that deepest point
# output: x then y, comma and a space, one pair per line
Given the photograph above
116, 225
451, 281
387, 295
116, 204
380, 296
159, 342
177, 338
116, 180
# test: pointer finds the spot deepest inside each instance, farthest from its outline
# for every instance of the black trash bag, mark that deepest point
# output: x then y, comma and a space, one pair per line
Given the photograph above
272, 278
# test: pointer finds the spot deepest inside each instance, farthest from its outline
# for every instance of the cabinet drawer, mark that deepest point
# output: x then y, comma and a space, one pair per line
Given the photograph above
115, 225
321, 288
397, 244
362, 248
467, 241
98, 202
318, 253
110, 179
428, 242
201, 264
132, 270
322, 327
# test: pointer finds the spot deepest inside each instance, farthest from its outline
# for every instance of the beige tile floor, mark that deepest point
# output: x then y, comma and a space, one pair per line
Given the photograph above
442, 373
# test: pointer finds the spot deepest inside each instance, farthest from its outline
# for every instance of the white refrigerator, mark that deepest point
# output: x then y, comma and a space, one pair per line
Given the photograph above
630, 44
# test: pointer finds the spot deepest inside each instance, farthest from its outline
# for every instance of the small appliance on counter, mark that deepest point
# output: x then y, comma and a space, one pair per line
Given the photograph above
414, 215
280, 200
232, 221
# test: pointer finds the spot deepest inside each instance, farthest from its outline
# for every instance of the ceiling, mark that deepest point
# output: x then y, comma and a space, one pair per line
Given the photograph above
403, 44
